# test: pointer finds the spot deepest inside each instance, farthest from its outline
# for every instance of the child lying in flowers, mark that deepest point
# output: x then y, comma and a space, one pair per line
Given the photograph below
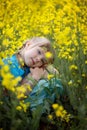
32, 54
33, 58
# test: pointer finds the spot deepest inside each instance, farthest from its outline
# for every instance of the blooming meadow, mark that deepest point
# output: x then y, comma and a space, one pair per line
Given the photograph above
64, 23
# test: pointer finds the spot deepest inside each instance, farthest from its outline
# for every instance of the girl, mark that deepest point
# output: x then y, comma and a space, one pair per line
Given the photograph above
30, 55
30, 63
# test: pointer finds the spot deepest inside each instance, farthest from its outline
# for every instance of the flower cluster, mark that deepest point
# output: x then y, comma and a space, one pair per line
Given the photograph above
60, 112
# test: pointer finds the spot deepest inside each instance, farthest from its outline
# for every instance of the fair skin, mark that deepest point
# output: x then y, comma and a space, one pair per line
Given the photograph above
37, 73
33, 57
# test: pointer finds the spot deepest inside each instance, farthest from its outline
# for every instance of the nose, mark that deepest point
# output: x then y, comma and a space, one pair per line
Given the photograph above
39, 59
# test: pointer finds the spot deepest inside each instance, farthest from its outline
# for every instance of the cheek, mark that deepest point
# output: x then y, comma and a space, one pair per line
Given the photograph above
32, 53
26, 54
29, 53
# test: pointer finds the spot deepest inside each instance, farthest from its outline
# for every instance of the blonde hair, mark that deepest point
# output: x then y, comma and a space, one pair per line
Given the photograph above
38, 41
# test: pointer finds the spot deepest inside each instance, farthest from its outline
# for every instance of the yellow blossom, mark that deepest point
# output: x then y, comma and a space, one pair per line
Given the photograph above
83, 75
48, 54
86, 87
1, 102
73, 67
50, 117
49, 76
70, 82
9, 81
24, 105
58, 113
60, 108
21, 95
29, 88
86, 62
5, 42
1, 62
55, 106
19, 108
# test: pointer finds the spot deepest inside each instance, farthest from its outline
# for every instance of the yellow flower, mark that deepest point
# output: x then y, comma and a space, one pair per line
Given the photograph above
50, 117
73, 67
6, 68
19, 108
83, 75
61, 108
20, 89
1, 102
70, 82
49, 76
24, 105
86, 87
58, 113
86, 62
5, 42
1, 62
64, 112
21, 95
55, 106
21, 62
48, 54
1, 24
29, 88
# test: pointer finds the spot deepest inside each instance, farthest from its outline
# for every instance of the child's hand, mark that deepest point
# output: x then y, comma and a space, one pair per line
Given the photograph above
37, 73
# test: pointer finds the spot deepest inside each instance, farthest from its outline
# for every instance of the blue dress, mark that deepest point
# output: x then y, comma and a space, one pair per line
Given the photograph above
45, 90
15, 67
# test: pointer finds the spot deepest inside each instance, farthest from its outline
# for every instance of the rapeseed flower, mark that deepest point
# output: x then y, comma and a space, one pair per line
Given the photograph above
60, 112
86, 62
50, 117
19, 108
55, 106
73, 67
48, 55
24, 105
49, 76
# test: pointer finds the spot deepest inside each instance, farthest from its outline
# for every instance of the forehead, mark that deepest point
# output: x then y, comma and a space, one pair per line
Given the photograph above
42, 49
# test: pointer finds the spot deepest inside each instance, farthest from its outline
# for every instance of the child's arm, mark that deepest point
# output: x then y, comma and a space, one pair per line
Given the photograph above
28, 83
32, 79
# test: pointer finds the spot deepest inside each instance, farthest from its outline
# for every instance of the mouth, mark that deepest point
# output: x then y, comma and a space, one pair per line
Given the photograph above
33, 61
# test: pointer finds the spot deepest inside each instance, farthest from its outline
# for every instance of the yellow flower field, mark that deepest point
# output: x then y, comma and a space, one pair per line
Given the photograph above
64, 23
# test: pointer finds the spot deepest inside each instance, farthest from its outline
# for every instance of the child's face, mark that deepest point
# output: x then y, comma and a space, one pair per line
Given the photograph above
34, 57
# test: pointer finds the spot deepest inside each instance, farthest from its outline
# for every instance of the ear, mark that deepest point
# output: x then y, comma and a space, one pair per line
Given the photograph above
26, 44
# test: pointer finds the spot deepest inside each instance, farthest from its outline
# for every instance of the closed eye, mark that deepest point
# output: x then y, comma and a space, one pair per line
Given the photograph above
39, 52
